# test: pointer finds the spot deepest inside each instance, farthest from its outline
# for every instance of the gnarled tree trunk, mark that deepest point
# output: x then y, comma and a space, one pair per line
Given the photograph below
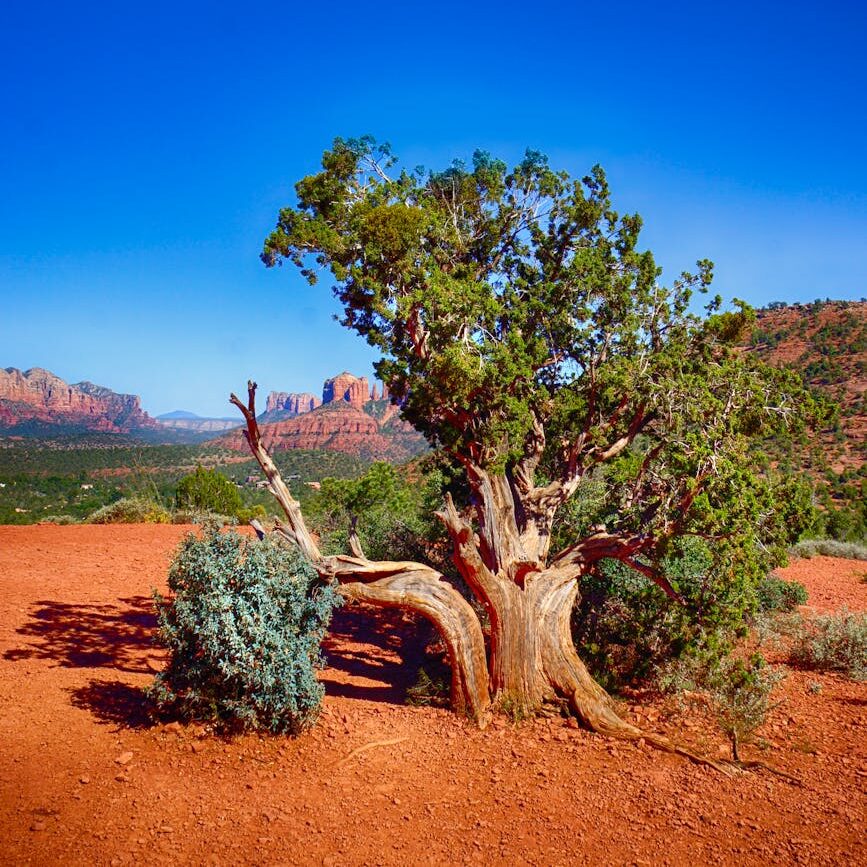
530, 658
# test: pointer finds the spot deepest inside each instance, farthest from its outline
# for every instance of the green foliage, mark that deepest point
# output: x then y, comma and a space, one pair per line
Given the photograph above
627, 629
208, 491
833, 642
131, 510
776, 594
502, 298
740, 691
516, 313
429, 690
796, 507
392, 516
243, 627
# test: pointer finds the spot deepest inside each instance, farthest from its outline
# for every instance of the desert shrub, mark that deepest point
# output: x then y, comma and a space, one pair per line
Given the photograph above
131, 510
248, 513
829, 548
391, 515
208, 491
59, 519
740, 692
431, 688
243, 628
776, 594
833, 642
193, 516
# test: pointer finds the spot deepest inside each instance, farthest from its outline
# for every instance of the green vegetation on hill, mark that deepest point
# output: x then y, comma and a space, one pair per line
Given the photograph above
70, 480
825, 343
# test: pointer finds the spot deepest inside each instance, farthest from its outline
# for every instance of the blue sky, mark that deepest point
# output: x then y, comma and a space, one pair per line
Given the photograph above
145, 151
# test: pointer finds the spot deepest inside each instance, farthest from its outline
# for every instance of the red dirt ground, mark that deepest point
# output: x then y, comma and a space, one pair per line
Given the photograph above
85, 779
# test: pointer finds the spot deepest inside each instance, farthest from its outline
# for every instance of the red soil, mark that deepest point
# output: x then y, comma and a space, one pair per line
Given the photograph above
86, 780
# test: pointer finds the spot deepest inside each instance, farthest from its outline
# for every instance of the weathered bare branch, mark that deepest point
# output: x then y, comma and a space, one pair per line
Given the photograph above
354, 541
595, 547
423, 590
466, 555
297, 530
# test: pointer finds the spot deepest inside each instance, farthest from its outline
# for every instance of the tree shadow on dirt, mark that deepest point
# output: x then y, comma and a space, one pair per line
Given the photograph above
90, 636
114, 702
374, 644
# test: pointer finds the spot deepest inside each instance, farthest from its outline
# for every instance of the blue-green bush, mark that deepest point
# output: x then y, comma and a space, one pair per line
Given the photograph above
833, 642
244, 628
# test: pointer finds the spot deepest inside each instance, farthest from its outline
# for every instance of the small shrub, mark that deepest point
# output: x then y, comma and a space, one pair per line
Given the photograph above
244, 630
429, 690
248, 513
829, 548
740, 692
833, 642
60, 520
208, 491
131, 510
775, 594
626, 629
192, 516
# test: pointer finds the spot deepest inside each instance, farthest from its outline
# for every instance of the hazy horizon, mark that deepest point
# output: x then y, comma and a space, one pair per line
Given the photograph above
146, 157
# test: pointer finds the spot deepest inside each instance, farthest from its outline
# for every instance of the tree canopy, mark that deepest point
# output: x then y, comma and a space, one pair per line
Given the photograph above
524, 331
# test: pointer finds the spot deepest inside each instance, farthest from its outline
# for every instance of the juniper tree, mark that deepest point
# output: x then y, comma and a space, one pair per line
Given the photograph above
525, 334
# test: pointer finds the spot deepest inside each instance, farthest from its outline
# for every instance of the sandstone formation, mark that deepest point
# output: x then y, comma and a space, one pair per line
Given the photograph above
291, 403
37, 397
343, 388
337, 426
353, 390
352, 417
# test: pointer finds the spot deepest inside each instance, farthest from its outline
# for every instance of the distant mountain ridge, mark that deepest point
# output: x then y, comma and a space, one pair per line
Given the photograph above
350, 417
36, 402
182, 420
177, 414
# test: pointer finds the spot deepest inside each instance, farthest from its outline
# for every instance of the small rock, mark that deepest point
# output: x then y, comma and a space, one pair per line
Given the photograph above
38, 826
124, 758
84, 780
172, 727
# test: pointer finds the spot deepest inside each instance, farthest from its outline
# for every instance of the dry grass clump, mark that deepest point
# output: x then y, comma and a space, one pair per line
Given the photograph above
829, 548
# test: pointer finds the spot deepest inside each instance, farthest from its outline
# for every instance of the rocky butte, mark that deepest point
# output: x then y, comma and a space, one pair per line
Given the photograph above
37, 400
291, 403
352, 417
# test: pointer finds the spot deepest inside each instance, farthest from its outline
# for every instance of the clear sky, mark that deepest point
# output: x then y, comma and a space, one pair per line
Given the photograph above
145, 150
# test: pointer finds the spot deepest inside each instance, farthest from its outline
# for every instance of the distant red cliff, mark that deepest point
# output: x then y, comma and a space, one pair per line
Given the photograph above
352, 417
37, 397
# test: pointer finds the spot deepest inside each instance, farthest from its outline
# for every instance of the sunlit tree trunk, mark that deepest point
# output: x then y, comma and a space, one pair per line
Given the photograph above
530, 658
